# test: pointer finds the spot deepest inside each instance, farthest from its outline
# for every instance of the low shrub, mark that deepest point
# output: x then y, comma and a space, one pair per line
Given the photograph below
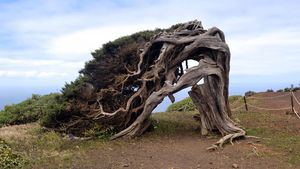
280, 90
70, 90
234, 98
249, 93
43, 108
9, 159
183, 105
97, 131
188, 105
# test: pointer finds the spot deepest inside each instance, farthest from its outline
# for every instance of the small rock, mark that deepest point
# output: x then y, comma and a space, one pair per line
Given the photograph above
125, 165
210, 162
235, 166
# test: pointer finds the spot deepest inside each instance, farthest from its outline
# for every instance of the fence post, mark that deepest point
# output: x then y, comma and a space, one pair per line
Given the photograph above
245, 102
292, 99
292, 102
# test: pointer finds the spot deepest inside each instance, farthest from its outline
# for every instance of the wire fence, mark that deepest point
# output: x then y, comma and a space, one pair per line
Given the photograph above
247, 104
237, 108
297, 114
297, 101
263, 98
292, 108
296, 98
262, 108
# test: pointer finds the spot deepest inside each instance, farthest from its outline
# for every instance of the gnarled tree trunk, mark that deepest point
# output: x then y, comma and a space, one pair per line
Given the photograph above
159, 72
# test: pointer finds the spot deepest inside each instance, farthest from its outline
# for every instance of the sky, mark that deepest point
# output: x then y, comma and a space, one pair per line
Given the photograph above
43, 44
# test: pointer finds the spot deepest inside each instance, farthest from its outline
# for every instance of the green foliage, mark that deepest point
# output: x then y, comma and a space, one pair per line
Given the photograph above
188, 105
70, 90
183, 105
110, 61
234, 98
37, 107
288, 89
50, 141
23, 112
280, 90
113, 46
97, 72
249, 93
98, 131
53, 110
270, 90
9, 159
169, 123
105, 65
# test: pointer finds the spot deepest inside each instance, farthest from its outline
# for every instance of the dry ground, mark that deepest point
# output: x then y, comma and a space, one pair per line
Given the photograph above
174, 143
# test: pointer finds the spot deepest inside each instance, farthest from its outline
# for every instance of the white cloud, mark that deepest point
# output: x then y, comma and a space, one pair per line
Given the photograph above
83, 42
271, 39
58, 36
31, 68
30, 74
38, 63
266, 53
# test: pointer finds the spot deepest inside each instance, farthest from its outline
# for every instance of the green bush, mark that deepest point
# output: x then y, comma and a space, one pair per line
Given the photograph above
9, 159
183, 105
70, 90
234, 98
33, 109
280, 90
250, 93
188, 105
53, 110
100, 71
97, 131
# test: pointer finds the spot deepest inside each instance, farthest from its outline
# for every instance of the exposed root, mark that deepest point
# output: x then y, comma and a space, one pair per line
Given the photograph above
227, 138
133, 130
252, 137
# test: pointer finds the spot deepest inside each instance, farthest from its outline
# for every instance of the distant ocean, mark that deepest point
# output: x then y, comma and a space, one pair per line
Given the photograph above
10, 95
16, 95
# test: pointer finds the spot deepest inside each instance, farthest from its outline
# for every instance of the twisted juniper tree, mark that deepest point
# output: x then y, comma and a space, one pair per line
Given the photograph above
124, 82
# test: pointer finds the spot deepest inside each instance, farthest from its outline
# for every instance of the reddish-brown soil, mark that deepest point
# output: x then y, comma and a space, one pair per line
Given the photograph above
179, 152
187, 149
273, 100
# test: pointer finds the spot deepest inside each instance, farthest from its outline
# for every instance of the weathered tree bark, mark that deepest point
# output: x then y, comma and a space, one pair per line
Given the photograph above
159, 73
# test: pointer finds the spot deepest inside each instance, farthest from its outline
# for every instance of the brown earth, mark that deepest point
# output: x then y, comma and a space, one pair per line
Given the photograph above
274, 101
180, 152
183, 147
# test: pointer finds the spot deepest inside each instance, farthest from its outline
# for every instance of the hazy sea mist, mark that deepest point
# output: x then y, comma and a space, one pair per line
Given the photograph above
13, 94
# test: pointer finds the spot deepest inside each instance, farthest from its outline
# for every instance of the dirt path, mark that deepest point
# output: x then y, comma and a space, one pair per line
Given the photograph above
180, 151
181, 148
184, 152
